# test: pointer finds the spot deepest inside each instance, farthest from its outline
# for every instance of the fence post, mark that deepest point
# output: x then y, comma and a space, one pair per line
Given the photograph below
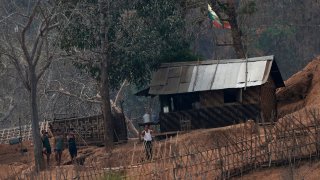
220, 160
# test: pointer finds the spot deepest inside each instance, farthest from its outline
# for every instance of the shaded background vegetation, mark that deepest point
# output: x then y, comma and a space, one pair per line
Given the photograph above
150, 32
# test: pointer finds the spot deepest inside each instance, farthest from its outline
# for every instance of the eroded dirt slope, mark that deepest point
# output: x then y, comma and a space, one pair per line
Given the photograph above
302, 90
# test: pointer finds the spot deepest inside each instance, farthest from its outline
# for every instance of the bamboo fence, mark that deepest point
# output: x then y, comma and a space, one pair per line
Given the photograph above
217, 155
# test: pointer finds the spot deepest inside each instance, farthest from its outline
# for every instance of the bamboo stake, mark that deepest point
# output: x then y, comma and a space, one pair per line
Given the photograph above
134, 150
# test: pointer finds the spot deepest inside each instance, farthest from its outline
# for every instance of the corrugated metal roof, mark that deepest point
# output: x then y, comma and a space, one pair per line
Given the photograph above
182, 77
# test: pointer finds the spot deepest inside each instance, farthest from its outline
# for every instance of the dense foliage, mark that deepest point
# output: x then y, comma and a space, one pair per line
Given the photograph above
141, 35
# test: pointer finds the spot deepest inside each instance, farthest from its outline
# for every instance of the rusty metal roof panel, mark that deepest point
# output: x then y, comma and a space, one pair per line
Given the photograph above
157, 89
186, 74
172, 86
174, 72
212, 75
159, 77
183, 87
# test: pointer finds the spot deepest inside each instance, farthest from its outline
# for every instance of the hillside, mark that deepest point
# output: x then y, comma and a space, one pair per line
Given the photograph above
202, 150
72, 59
306, 170
273, 27
302, 90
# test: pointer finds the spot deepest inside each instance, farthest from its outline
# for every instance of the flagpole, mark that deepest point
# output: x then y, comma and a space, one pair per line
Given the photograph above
197, 70
246, 75
245, 85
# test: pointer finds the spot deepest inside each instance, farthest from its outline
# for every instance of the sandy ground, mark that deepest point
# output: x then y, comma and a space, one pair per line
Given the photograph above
306, 171
12, 160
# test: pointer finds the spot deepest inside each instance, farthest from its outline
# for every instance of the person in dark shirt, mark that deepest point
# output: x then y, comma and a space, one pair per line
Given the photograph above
72, 145
58, 145
46, 148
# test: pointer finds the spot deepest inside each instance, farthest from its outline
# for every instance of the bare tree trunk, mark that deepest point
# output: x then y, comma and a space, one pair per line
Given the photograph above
119, 94
106, 108
116, 108
235, 29
129, 123
104, 84
26, 58
39, 164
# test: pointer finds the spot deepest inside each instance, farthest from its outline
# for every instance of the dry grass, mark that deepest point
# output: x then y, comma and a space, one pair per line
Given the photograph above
219, 153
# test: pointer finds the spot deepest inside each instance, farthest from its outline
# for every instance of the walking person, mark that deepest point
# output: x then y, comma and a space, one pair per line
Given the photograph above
72, 145
147, 137
46, 150
58, 146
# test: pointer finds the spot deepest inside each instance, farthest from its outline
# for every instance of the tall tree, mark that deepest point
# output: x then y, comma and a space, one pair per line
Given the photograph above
27, 40
228, 10
104, 11
127, 42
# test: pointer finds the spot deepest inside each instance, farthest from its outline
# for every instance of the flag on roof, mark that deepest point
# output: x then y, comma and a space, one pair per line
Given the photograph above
216, 20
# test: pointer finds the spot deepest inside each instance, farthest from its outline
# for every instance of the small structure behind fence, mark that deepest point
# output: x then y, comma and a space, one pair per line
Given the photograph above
90, 130
26, 132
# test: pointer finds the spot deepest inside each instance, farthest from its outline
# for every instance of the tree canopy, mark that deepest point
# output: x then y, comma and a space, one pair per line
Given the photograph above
141, 35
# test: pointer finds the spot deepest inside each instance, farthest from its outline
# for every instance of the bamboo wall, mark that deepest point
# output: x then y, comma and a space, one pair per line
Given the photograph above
90, 130
26, 132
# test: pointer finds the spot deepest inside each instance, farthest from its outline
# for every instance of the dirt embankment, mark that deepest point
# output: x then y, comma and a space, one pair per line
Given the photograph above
11, 159
306, 170
302, 90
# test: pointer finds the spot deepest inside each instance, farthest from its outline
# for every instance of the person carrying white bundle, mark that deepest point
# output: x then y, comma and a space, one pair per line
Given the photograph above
147, 137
